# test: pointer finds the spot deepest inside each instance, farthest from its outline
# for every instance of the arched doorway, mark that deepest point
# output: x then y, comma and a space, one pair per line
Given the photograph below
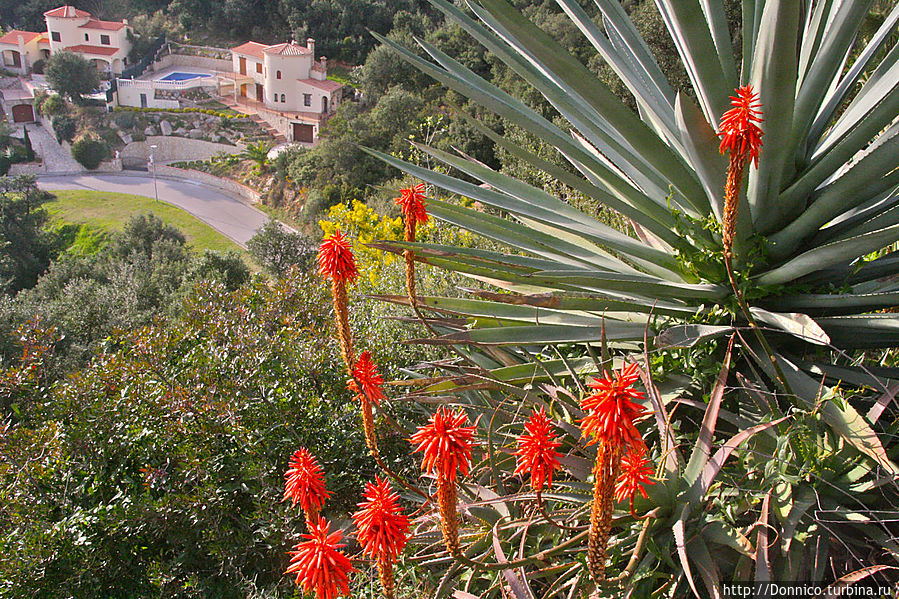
325, 105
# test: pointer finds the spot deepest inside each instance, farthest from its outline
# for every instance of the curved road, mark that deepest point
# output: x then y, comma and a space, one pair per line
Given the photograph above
221, 211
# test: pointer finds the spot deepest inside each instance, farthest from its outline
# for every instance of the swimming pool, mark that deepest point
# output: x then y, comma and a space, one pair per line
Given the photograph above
178, 76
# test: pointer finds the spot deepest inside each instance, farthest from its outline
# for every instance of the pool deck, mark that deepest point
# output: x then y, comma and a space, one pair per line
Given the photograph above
153, 76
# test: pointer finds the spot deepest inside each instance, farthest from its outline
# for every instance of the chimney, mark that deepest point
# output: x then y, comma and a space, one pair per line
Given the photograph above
310, 44
125, 22
324, 62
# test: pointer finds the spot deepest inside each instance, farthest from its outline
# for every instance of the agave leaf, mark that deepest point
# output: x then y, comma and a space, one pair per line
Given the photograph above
834, 304
845, 140
577, 81
830, 254
708, 570
689, 335
871, 176
824, 66
762, 559
880, 85
643, 284
774, 78
680, 542
714, 465
848, 80
699, 142
594, 303
862, 331
594, 231
519, 236
843, 418
717, 531
800, 325
717, 20
702, 450
840, 585
644, 80
691, 35
542, 334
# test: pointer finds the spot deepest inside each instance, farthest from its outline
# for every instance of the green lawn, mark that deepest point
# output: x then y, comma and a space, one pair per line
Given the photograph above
110, 211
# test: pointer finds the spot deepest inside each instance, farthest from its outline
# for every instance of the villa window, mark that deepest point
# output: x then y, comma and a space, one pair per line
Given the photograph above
54, 35
307, 99
277, 74
282, 98
258, 67
104, 39
276, 97
87, 37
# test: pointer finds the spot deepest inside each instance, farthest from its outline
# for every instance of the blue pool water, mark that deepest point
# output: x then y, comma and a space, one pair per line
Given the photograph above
182, 76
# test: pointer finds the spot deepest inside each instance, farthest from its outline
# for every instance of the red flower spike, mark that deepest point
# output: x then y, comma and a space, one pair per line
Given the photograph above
634, 475
318, 564
738, 129
305, 482
537, 453
335, 259
445, 443
611, 411
412, 203
382, 528
365, 375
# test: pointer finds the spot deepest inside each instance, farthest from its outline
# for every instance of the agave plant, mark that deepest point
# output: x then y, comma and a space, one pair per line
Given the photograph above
810, 269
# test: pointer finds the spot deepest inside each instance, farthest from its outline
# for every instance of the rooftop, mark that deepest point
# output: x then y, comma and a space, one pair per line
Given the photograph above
288, 49
95, 50
326, 85
250, 48
13, 37
67, 12
104, 25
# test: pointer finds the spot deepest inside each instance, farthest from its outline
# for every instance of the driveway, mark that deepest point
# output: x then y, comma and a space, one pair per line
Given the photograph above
222, 212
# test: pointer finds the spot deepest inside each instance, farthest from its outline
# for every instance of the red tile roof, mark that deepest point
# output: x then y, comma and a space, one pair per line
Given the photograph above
326, 85
104, 25
44, 39
288, 49
250, 48
67, 12
95, 50
13, 36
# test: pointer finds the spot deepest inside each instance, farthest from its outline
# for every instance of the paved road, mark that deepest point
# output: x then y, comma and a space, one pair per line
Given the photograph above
222, 212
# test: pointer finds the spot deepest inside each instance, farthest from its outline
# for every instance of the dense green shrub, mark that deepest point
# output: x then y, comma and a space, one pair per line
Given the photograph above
277, 249
64, 126
54, 105
90, 151
38, 66
157, 471
26, 249
29, 149
4, 165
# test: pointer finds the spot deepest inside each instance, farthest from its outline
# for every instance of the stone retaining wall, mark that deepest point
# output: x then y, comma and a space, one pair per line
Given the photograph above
247, 193
183, 60
173, 149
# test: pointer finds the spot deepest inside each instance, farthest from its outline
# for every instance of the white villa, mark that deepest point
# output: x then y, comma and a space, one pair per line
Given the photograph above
105, 43
280, 84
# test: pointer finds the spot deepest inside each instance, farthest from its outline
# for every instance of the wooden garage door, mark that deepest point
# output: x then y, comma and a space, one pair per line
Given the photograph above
23, 113
302, 132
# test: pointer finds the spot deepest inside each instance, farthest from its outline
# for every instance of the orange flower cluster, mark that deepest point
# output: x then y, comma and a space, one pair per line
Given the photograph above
305, 484
611, 411
446, 444
335, 259
738, 129
383, 529
366, 382
318, 564
634, 476
411, 201
537, 453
